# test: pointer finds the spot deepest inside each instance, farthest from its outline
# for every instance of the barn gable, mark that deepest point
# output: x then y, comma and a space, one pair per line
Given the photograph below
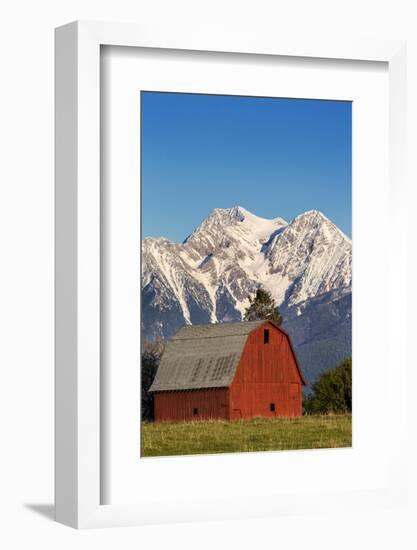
205, 356
300, 372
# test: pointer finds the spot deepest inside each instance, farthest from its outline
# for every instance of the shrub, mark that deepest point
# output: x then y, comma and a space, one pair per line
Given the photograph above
332, 391
151, 356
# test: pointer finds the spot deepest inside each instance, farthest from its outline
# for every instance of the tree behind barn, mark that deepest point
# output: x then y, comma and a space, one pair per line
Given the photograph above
262, 307
151, 356
332, 391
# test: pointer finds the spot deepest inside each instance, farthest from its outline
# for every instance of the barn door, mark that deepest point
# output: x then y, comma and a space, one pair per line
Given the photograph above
224, 411
295, 399
294, 391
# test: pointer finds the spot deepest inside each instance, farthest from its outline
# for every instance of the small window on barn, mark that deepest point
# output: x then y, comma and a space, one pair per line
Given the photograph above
195, 411
266, 336
272, 407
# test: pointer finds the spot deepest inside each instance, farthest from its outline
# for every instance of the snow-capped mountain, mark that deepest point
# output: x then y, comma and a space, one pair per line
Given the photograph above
209, 277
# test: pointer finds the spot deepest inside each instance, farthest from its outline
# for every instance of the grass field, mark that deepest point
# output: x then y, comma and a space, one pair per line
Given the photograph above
258, 434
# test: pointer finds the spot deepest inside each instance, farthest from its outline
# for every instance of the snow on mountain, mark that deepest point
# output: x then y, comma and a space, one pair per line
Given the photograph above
209, 277
312, 256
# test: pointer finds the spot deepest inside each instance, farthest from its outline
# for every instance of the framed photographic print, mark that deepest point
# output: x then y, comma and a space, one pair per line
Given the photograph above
241, 313
222, 349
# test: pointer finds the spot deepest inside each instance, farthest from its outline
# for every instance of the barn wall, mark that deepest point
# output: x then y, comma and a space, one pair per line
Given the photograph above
180, 405
266, 374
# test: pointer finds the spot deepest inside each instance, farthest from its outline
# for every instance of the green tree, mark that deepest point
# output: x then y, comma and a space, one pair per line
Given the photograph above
151, 356
262, 307
332, 391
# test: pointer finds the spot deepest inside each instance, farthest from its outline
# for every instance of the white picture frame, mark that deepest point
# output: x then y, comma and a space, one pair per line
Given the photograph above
78, 406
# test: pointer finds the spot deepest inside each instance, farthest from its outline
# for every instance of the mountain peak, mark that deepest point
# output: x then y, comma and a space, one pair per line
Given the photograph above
234, 214
312, 214
221, 217
238, 214
315, 218
238, 223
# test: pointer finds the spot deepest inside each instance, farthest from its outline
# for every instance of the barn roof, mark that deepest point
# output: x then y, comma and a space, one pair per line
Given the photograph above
216, 330
203, 356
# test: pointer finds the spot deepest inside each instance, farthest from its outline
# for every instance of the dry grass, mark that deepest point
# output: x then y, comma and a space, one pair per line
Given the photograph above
258, 434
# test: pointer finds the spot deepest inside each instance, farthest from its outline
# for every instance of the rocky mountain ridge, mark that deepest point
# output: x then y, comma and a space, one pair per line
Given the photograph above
305, 264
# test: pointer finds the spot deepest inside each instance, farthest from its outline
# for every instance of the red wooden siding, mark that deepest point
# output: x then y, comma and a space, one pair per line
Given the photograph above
267, 382
267, 374
180, 405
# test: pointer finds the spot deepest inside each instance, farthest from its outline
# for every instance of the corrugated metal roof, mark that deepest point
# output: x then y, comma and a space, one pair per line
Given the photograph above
216, 330
202, 356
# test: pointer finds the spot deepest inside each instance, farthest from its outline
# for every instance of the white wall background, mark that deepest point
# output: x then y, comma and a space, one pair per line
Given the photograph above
26, 273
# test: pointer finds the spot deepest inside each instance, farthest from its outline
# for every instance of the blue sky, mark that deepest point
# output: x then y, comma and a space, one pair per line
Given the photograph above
275, 157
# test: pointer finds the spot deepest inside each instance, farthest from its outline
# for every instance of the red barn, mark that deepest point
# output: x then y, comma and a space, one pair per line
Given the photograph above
228, 371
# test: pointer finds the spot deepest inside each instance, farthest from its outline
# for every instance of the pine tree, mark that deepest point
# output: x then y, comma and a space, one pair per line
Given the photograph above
262, 308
